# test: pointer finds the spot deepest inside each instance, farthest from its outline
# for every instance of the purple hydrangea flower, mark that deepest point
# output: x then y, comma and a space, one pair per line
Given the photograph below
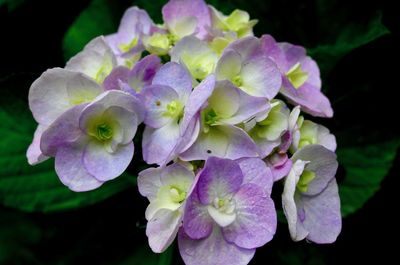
53, 93
133, 80
229, 214
313, 133
167, 189
280, 165
187, 17
301, 83
247, 66
92, 143
96, 60
172, 113
226, 107
126, 42
310, 198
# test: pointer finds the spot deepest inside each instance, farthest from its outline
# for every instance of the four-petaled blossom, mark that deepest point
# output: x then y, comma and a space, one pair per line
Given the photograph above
229, 214
310, 198
92, 143
167, 189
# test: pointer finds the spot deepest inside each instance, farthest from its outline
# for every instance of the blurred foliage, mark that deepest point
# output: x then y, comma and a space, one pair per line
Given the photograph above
350, 46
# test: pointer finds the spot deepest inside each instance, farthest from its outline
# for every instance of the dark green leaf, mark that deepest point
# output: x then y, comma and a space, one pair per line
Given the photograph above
365, 167
36, 188
11, 4
101, 17
350, 37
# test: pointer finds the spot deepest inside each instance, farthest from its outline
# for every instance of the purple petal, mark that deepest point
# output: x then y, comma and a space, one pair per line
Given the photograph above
255, 171
176, 10
197, 100
104, 165
249, 48
248, 106
158, 144
162, 229
175, 76
63, 130
265, 146
70, 169
280, 165
34, 154
309, 97
197, 222
118, 74
177, 173
229, 65
296, 228
255, 223
219, 178
322, 162
212, 250
293, 54
322, 216
155, 99
57, 90
92, 59
272, 49
143, 72
149, 182
223, 141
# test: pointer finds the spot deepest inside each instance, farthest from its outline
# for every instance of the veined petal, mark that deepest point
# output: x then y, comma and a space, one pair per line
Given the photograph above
212, 250
176, 77
322, 162
256, 221
34, 154
96, 60
149, 182
57, 90
223, 141
162, 229
104, 165
71, 171
255, 171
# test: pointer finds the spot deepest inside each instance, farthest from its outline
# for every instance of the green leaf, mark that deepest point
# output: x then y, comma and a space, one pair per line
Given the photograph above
11, 4
365, 166
101, 17
36, 188
350, 37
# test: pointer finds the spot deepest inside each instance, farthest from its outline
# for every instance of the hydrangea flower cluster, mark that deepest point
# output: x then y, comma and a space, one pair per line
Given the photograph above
218, 132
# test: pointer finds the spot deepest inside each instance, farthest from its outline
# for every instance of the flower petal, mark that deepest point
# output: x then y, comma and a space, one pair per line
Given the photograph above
113, 80
212, 250
176, 77
179, 9
63, 130
256, 221
162, 229
143, 72
322, 216
70, 169
159, 143
255, 171
156, 99
57, 90
149, 182
96, 60
223, 141
296, 229
104, 165
229, 65
322, 162
218, 179
34, 154
197, 222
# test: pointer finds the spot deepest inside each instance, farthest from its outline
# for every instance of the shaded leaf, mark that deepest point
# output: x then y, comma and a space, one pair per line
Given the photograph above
11, 4
350, 37
365, 166
99, 18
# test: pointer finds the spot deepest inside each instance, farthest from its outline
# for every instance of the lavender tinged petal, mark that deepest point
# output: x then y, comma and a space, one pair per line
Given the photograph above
212, 250
255, 171
113, 80
256, 221
149, 182
34, 154
104, 165
143, 72
71, 171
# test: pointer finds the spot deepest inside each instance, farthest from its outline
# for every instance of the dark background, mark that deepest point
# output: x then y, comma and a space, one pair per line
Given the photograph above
362, 83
